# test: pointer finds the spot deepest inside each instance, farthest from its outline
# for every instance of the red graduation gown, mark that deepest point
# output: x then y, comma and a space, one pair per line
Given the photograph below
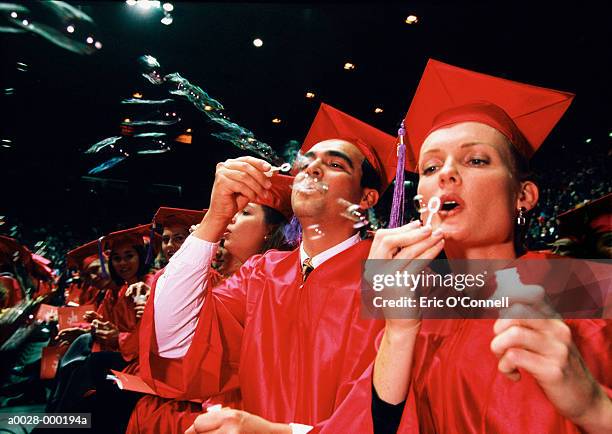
456, 386
299, 348
119, 310
163, 414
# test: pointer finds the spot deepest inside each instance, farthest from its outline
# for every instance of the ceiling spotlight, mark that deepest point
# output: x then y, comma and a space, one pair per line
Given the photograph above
378, 110
349, 66
131, 2
208, 108
167, 20
144, 4
257, 42
188, 130
70, 29
412, 19
137, 95
98, 45
610, 134
89, 40
588, 140
310, 95
168, 7
13, 14
25, 22
127, 120
6, 140
276, 121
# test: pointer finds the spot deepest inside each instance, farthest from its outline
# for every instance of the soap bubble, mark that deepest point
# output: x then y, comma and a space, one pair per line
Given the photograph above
310, 185
354, 213
313, 232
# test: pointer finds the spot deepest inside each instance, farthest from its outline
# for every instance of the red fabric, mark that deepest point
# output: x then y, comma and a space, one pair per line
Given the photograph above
171, 412
280, 195
447, 94
119, 310
11, 292
378, 147
456, 386
297, 349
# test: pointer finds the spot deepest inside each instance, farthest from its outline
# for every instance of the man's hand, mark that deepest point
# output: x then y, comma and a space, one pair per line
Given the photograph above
228, 421
545, 349
237, 182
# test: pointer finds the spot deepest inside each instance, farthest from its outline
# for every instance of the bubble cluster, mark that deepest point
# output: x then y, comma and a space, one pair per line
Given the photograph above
354, 213
213, 109
313, 232
308, 184
75, 37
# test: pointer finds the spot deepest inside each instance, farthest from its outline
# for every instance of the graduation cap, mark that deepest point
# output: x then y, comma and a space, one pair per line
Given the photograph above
448, 95
166, 216
82, 256
11, 249
142, 235
595, 215
378, 147
280, 195
41, 265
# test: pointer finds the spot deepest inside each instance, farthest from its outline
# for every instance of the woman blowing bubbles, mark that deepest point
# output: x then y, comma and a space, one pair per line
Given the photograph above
472, 135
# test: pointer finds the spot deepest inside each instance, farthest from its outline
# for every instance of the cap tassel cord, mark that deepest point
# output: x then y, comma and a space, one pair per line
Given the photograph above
397, 208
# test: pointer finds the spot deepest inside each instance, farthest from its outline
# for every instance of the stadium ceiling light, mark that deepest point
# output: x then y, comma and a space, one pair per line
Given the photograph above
412, 19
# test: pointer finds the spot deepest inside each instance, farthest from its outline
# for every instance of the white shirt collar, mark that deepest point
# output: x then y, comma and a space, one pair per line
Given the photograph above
329, 253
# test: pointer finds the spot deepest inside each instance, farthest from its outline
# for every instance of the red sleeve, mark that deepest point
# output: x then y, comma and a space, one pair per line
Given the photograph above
210, 366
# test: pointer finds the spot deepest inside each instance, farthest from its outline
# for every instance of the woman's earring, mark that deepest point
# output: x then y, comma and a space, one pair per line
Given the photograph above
265, 238
521, 218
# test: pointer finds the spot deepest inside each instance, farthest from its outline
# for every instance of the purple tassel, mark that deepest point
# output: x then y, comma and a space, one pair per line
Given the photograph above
150, 246
397, 208
101, 257
293, 232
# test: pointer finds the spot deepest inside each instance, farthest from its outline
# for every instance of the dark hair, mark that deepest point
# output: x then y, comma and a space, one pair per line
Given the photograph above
276, 221
143, 268
369, 176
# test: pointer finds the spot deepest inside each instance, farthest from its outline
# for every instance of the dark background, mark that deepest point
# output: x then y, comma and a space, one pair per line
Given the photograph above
65, 102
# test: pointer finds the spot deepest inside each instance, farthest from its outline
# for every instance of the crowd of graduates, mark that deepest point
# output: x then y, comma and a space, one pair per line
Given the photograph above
244, 317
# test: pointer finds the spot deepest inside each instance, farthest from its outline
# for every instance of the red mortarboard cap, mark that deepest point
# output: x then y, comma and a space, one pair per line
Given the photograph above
447, 95
42, 265
135, 236
177, 216
10, 248
596, 214
378, 147
83, 255
280, 195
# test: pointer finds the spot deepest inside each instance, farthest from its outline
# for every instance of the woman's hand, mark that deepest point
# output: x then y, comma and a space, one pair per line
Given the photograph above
544, 348
68, 335
106, 332
138, 289
408, 248
91, 315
